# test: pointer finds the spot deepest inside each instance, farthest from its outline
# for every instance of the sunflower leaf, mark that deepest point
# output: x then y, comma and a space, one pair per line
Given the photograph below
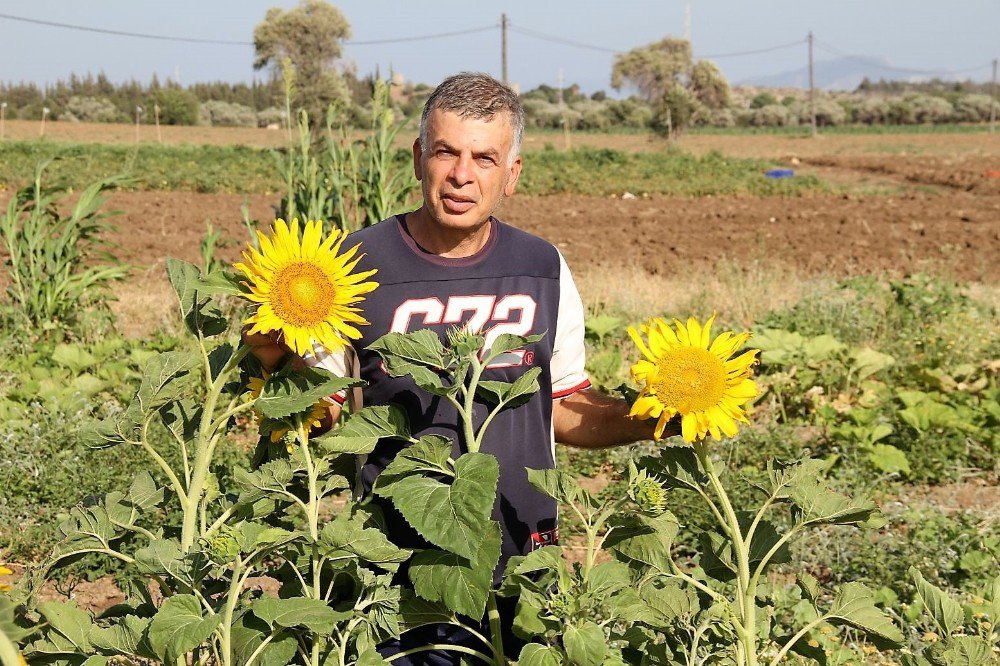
377, 421
945, 611
179, 627
291, 392
644, 539
855, 606
419, 355
462, 585
454, 516
511, 394
201, 313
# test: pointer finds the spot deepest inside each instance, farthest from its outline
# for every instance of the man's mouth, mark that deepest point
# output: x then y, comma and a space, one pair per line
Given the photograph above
455, 203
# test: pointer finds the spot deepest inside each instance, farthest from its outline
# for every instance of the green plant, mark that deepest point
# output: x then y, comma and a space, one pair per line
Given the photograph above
57, 266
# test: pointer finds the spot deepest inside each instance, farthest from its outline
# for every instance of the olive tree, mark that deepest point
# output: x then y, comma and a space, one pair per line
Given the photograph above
666, 75
309, 37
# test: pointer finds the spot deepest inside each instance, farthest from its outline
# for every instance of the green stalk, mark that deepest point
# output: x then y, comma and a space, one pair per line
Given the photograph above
745, 588
313, 516
205, 447
493, 613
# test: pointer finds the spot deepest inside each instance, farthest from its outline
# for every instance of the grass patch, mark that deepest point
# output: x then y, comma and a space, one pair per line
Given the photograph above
245, 170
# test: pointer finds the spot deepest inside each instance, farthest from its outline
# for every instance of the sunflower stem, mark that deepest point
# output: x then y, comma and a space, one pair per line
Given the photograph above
745, 585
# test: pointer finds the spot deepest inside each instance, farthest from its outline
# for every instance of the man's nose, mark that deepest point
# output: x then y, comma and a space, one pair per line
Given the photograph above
461, 172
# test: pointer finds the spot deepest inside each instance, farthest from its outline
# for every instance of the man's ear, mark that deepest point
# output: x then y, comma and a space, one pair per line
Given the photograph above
417, 171
515, 174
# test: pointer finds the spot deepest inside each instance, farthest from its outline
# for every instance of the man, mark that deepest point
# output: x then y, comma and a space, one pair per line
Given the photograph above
451, 263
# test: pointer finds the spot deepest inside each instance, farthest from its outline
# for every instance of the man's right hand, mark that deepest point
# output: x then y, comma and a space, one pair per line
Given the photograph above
268, 348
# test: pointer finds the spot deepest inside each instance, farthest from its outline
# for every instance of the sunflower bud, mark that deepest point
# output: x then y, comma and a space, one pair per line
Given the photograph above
648, 494
223, 548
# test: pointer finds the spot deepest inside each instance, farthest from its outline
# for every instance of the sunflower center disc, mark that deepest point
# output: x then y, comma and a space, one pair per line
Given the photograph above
303, 293
690, 379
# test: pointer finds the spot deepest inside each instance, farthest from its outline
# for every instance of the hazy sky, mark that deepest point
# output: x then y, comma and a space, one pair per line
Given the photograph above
916, 34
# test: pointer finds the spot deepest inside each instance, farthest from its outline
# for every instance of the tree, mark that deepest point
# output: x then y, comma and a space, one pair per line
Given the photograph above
667, 76
309, 37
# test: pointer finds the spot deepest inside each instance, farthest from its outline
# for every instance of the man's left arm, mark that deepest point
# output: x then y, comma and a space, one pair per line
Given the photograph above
590, 419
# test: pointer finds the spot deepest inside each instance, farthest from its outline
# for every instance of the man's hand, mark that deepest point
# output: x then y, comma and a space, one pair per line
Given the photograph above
268, 348
590, 419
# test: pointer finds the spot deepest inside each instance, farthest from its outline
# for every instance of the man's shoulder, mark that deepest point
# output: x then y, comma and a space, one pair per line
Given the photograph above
375, 232
527, 247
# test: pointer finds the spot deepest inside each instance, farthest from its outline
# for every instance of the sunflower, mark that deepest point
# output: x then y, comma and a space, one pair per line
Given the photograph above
4, 571
305, 287
685, 372
281, 428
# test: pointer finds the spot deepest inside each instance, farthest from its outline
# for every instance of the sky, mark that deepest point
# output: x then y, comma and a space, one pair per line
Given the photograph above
915, 34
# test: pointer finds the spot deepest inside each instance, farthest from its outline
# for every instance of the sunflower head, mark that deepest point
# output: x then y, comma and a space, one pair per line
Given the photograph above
4, 571
304, 286
684, 371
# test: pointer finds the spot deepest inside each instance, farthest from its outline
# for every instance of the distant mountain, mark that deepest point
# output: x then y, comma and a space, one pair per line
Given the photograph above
838, 74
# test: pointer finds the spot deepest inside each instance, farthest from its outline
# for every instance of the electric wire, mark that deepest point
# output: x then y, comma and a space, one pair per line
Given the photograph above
227, 42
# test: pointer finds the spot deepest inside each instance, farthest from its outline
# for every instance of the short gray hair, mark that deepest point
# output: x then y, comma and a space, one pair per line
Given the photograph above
476, 95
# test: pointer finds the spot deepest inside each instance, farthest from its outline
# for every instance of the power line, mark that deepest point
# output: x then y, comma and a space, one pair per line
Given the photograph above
398, 40
123, 33
226, 42
559, 40
734, 54
603, 49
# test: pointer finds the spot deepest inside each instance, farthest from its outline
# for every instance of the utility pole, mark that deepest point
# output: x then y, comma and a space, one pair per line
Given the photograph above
503, 46
993, 99
565, 116
812, 87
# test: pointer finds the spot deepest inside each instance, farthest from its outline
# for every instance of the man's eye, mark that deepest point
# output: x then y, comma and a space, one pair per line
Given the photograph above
486, 161
443, 153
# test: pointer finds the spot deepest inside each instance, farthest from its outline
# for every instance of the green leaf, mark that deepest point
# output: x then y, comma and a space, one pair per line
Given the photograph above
462, 585
179, 627
419, 355
507, 342
666, 604
127, 636
678, 467
510, 394
557, 484
534, 654
585, 644
430, 454
334, 443
220, 282
963, 651
867, 361
944, 611
270, 479
200, 312
295, 391
348, 534
455, 516
809, 586
144, 493
313, 614
887, 458
160, 379
602, 325
645, 539
416, 612
69, 621
73, 357
249, 632
818, 505
377, 421
854, 605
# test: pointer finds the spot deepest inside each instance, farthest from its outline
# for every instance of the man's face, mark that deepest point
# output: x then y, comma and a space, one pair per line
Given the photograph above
465, 171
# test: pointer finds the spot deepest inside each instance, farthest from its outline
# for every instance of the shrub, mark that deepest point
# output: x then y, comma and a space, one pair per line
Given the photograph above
930, 109
972, 108
872, 111
177, 107
92, 110
773, 115
227, 114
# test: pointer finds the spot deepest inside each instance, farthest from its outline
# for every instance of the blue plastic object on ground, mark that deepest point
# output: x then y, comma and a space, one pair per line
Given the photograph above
779, 173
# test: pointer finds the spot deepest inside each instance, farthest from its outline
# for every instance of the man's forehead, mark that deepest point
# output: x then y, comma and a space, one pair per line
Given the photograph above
447, 122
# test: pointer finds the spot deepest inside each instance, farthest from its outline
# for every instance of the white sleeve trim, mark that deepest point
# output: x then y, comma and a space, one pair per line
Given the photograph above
569, 354
341, 364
